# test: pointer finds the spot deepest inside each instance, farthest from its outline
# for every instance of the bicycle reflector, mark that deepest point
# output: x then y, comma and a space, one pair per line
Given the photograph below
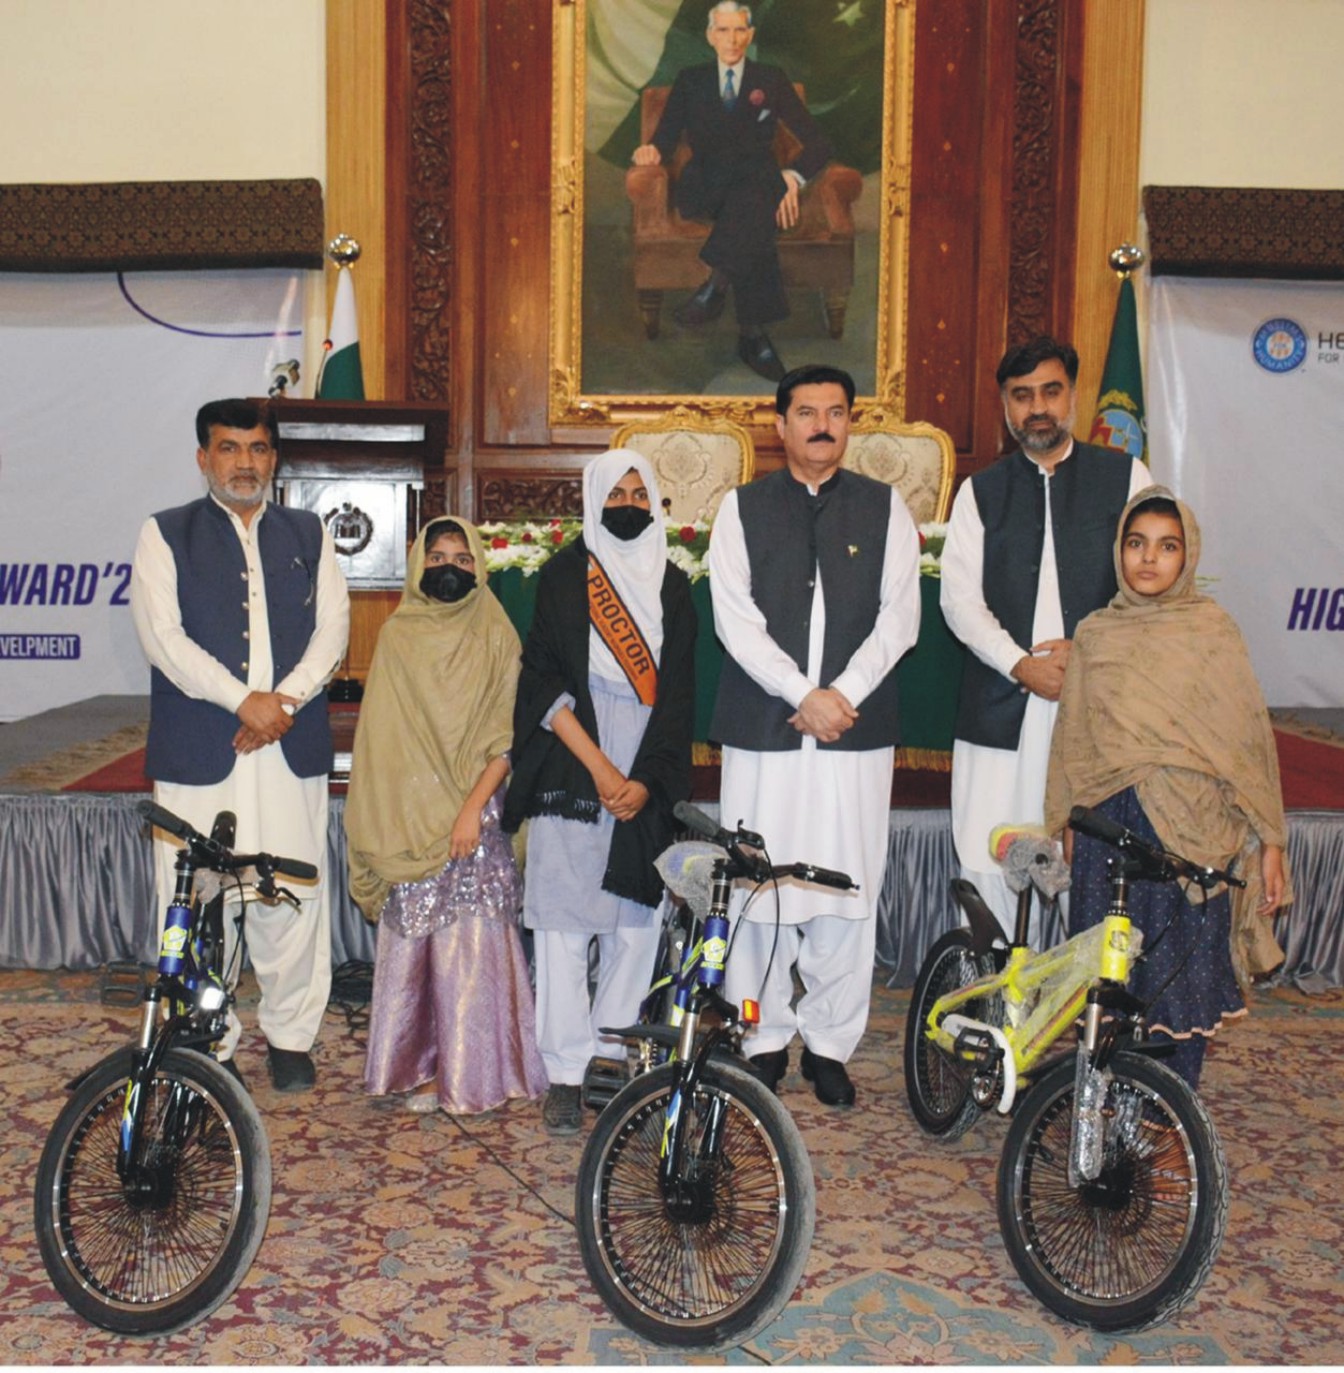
751, 1012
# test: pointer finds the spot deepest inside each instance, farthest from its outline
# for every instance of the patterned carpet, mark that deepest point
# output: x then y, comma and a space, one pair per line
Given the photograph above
403, 1239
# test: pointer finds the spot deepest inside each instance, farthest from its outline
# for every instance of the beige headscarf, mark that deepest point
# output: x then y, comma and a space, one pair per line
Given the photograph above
438, 706
1160, 695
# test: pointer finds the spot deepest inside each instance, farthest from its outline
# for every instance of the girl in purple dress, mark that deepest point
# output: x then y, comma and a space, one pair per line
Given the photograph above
452, 1022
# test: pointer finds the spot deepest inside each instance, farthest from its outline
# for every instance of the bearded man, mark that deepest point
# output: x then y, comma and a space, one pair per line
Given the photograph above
1028, 554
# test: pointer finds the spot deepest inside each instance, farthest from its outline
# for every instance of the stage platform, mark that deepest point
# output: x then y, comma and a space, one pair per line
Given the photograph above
76, 884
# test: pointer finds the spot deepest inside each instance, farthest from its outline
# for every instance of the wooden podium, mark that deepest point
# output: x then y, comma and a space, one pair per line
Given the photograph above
374, 472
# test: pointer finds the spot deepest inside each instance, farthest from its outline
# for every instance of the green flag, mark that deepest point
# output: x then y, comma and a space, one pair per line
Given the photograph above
1120, 421
342, 376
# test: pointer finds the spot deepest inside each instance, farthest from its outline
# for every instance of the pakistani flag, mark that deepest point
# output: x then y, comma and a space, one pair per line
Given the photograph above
342, 376
1120, 421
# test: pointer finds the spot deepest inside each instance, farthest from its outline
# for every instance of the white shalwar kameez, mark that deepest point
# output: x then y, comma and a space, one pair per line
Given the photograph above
995, 786
277, 812
825, 806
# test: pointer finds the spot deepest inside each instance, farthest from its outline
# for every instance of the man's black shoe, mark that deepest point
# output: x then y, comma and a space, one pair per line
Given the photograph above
771, 1067
705, 306
829, 1078
759, 354
233, 1071
291, 1069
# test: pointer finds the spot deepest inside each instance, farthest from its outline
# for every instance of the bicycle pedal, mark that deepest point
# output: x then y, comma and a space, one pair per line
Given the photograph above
123, 985
978, 1047
603, 1078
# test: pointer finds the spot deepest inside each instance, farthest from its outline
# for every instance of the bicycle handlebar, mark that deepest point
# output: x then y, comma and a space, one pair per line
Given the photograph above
1157, 865
215, 852
746, 865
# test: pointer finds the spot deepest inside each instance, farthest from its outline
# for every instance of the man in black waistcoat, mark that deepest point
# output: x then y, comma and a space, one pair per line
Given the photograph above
815, 577
729, 111
1029, 553
243, 615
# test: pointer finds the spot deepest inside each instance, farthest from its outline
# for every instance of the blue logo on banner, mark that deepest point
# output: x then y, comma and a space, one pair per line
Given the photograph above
1279, 345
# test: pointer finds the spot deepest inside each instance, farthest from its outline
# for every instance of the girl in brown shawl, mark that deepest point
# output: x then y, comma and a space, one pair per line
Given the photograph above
452, 1020
1162, 728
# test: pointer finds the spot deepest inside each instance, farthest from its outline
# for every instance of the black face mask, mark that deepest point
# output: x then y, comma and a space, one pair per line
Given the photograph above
447, 583
626, 521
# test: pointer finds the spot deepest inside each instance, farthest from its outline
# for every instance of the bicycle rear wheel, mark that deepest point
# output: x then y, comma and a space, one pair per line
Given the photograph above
1133, 1247
712, 1270
163, 1251
939, 1087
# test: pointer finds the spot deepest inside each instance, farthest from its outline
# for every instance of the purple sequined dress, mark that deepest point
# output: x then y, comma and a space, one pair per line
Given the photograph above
452, 1002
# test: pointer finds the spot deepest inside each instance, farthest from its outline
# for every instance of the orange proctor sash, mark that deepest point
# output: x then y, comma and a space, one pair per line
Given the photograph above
620, 633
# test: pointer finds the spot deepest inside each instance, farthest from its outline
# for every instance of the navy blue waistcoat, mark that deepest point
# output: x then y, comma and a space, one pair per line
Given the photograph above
191, 741
1088, 492
789, 534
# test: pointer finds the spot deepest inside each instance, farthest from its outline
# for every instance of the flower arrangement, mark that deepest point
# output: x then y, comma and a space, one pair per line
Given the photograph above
527, 544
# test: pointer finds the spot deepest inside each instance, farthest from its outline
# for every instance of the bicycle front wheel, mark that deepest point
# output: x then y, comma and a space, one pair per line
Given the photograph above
164, 1248
714, 1265
937, 1086
1133, 1247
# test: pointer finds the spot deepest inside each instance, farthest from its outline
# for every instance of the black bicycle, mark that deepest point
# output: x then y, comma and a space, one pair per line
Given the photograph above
154, 1186
695, 1202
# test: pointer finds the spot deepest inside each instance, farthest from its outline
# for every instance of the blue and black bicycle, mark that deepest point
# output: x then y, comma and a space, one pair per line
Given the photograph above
154, 1186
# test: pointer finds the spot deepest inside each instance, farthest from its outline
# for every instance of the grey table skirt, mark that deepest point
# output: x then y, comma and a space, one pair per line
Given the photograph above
76, 888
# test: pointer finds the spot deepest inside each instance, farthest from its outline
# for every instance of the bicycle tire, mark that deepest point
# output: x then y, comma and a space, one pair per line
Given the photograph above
715, 1280
1132, 1248
142, 1267
937, 1088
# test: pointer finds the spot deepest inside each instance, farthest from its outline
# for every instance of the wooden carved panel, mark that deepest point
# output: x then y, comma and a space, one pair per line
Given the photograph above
1042, 215
520, 497
431, 149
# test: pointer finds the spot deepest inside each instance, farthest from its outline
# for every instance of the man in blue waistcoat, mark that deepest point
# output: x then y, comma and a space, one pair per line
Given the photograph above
814, 571
729, 111
1029, 553
244, 616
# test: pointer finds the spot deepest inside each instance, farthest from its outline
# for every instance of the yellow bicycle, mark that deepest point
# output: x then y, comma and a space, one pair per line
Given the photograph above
1112, 1187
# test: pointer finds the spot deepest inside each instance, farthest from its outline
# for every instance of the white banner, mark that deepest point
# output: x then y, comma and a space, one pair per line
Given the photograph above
1246, 423
100, 380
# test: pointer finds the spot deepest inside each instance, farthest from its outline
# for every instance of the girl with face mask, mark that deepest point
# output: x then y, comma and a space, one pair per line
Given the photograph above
602, 751
452, 1021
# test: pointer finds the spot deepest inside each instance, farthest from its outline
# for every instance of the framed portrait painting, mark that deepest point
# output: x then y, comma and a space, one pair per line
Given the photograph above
665, 270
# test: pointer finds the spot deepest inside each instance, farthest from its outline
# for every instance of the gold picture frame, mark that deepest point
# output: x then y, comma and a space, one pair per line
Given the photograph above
572, 408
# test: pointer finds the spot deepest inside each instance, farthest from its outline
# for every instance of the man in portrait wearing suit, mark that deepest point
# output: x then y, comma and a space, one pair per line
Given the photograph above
729, 111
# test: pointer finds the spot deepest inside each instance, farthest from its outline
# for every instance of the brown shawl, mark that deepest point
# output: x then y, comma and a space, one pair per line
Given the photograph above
1160, 695
438, 706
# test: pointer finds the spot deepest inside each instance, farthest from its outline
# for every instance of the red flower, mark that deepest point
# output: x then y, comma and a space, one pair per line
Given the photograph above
757, 98
499, 542
687, 533
527, 537
555, 524
557, 535
923, 542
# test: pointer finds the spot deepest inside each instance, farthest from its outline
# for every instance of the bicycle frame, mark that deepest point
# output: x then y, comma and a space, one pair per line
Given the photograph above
186, 979
1042, 994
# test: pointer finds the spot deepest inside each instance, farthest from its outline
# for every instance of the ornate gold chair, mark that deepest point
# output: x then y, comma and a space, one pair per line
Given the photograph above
916, 458
818, 252
697, 461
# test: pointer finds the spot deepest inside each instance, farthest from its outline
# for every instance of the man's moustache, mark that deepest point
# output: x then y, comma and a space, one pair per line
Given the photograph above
821, 438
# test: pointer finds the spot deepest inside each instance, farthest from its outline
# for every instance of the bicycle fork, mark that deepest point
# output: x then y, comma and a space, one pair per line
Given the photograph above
1092, 1079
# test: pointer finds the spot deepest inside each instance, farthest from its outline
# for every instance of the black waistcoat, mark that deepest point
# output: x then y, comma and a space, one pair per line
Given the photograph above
789, 535
1088, 492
